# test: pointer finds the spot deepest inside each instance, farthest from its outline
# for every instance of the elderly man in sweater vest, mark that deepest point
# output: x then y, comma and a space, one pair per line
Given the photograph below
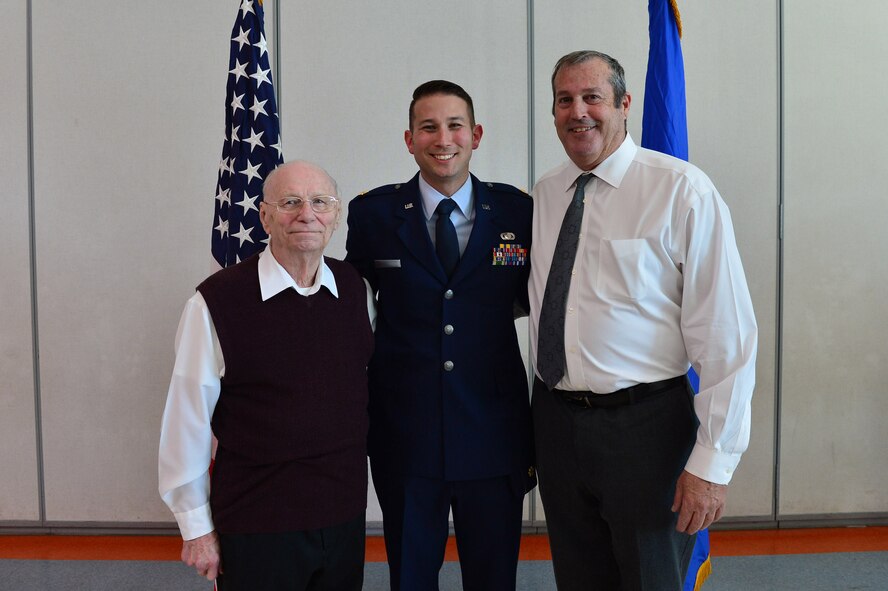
271, 358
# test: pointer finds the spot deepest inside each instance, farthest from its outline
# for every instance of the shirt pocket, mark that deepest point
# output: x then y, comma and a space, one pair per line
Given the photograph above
622, 268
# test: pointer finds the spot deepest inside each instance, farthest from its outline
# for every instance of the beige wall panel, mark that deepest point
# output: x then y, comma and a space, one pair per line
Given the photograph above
834, 431
561, 26
719, 43
733, 136
128, 134
18, 443
348, 75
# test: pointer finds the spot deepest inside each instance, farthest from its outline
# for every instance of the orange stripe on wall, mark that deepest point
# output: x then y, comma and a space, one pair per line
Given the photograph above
91, 547
533, 547
799, 541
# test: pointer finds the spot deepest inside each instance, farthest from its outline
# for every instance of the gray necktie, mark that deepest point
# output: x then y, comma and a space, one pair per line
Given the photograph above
446, 242
550, 344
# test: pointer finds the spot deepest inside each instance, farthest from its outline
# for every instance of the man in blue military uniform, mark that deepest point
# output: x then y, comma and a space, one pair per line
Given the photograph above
447, 256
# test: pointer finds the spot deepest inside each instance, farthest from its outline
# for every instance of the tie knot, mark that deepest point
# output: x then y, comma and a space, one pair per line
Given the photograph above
581, 186
445, 207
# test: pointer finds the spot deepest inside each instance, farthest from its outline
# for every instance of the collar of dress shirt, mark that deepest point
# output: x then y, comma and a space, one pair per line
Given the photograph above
273, 278
431, 198
611, 171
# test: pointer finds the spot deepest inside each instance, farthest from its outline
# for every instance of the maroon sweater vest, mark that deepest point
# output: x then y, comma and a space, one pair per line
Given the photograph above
291, 419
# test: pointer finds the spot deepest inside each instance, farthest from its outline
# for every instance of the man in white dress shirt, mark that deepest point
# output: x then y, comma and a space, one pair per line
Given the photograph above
635, 275
271, 358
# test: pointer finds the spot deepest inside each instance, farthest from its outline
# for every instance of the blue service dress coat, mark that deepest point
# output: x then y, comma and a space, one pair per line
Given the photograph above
448, 388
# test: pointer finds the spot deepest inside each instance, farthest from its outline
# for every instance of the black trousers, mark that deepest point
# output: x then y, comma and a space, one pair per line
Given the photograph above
327, 559
607, 479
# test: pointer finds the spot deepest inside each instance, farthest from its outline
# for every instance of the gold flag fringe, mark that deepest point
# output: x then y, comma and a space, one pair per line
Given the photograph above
677, 14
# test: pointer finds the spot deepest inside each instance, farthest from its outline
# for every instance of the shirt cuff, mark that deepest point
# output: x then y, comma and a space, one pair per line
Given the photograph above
195, 523
711, 465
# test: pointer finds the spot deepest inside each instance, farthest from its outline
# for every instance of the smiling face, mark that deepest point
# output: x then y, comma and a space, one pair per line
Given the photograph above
590, 126
304, 231
441, 138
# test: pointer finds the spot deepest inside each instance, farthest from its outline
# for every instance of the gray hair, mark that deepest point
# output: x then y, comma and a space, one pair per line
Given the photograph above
617, 77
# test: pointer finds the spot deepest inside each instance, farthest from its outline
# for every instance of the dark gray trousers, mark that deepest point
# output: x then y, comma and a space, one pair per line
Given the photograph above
607, 479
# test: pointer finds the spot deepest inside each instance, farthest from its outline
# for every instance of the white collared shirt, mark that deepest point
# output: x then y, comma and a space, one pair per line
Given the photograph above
186, 436
657, 284
462, 216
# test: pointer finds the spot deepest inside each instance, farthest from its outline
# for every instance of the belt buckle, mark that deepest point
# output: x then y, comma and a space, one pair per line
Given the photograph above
581, 400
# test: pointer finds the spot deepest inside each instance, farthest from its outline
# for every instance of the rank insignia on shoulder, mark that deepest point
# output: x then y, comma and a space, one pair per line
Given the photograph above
509, 255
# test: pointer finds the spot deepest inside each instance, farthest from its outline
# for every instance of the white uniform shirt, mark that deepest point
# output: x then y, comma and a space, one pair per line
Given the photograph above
657, 284
185, 436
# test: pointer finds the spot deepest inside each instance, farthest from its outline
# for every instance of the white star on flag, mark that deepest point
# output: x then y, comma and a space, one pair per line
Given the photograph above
239, 70
242, 38
261, 76
243, 235
248, 203
224, 197
236, 103
254, 139
251, 172
262, 45
258, 108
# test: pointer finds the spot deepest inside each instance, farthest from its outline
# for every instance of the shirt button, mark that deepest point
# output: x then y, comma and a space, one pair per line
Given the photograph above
448, 365
448, 329
570, 309
448, 295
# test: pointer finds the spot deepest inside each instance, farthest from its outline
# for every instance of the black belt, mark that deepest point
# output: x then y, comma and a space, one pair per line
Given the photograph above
630, 395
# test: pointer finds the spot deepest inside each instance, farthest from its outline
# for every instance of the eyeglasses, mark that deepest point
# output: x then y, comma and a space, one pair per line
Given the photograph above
318, 204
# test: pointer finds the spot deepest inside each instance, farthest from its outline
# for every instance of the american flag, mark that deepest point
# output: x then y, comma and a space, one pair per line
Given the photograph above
252, 147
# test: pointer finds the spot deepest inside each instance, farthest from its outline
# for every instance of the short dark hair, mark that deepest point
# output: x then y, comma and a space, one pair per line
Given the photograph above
433, 87
617, 77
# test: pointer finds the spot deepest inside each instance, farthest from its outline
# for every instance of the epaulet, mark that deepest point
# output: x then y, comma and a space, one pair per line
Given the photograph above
383, 190
504, 188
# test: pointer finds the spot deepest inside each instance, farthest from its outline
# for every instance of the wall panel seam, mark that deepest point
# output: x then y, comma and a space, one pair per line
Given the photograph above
778, 349
32, 260
531, 496
277, 65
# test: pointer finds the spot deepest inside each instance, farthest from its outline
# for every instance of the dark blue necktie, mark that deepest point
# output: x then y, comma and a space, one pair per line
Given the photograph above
446, 243
550, 340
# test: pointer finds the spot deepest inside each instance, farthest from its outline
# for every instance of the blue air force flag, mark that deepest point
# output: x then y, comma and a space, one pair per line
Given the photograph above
665, 129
